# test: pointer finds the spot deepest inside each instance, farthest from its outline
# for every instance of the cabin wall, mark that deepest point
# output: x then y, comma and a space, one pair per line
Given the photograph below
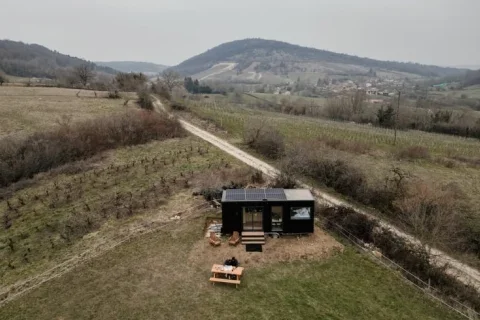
232, 219
303, 225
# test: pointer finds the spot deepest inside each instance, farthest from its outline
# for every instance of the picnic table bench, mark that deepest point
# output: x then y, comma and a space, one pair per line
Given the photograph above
220, 274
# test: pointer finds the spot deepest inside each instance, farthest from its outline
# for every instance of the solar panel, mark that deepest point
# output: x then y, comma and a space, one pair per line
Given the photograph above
275, 194
254, 194
235, 194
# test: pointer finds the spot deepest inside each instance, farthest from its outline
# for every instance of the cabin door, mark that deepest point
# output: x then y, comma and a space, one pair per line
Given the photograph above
252, 218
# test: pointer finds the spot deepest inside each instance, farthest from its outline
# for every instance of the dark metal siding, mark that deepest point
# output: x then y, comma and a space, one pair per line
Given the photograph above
232, 219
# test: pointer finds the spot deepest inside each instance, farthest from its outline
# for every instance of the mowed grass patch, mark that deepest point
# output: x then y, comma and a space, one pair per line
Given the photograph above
152, 278
60, 209
29, 109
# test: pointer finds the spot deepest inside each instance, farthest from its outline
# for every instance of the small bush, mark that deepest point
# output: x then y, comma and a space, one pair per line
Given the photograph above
357, 224
113, 94
145, 100
178, 106
264, 139
413, 153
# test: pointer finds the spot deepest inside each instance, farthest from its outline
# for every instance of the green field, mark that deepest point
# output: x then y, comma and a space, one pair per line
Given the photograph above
159, 277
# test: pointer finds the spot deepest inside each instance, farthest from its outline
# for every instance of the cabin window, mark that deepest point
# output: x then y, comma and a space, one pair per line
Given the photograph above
300, 213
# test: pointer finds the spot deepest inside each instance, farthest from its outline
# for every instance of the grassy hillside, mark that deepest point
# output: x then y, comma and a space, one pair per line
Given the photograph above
278, 55
164, 275
29, 109
133, 66
33, 60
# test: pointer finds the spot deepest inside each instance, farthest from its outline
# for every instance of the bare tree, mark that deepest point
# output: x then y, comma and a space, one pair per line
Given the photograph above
357, 101
434, 215
84, 73
3, 78
171, 79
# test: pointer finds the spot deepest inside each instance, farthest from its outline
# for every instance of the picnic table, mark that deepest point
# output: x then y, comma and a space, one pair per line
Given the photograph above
221, 273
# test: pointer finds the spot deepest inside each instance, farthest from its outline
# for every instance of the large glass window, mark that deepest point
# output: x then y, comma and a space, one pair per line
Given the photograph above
300, 213
277, 218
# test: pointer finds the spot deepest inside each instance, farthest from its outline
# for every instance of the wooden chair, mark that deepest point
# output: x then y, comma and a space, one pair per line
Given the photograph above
234, 239
214, 240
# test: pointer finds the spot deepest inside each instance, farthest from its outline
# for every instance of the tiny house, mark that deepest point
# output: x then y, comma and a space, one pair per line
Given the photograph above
268, 210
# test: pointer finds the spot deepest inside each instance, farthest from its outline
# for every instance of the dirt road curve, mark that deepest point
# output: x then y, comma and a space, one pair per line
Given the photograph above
463, 272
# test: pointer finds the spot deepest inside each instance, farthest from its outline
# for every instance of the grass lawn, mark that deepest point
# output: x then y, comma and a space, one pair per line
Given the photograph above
28, 109
155, 277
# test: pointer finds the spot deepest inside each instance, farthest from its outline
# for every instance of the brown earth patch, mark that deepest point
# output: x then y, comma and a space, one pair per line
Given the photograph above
316, 246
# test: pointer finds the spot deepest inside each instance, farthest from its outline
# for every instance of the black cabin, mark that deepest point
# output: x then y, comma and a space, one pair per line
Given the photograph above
268, 210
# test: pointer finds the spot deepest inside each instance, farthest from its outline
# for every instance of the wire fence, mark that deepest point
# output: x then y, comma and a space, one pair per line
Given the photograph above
412, 279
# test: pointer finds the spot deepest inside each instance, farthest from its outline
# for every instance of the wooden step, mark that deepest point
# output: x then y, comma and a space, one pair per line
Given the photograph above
254, 238
253, 234
253, 242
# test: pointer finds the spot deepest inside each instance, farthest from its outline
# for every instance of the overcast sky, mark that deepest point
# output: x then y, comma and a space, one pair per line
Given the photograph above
442, 32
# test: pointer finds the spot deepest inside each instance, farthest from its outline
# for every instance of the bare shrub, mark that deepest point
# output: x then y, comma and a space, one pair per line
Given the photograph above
84, 73
345, 108
145, 100
264, 139
331, 172
130, 81
433, 214
338, 109
113, 94
23, 157
413, 153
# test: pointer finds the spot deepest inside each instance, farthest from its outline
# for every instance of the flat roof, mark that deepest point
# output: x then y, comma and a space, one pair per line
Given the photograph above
252, 195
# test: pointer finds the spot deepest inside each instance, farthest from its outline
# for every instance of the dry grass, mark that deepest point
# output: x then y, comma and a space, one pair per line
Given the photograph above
49, 217
29, 109
154, 277
317, 246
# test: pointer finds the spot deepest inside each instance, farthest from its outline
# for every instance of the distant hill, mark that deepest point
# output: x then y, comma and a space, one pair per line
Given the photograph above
133, 66
472, 78
33, 60
257, 55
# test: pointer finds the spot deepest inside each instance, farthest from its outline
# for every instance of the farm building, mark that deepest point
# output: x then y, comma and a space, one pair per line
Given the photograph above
267, 210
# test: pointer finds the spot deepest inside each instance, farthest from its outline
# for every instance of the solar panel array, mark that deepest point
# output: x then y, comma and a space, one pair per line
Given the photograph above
254, 194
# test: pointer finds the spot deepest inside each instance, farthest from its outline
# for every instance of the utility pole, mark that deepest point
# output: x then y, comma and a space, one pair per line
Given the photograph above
396, 117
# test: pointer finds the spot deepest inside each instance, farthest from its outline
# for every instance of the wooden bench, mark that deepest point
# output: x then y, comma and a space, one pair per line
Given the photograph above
235, 282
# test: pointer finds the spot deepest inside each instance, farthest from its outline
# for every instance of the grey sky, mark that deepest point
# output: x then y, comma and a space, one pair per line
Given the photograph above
443, 32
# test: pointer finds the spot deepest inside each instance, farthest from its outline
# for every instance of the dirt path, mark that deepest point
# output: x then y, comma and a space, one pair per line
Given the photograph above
463, 272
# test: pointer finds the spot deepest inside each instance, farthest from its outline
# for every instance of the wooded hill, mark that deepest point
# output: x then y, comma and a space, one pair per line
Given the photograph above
245, 52
33, 60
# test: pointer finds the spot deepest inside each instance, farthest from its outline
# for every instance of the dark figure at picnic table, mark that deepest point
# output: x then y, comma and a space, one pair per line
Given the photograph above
234, 263
231, 262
